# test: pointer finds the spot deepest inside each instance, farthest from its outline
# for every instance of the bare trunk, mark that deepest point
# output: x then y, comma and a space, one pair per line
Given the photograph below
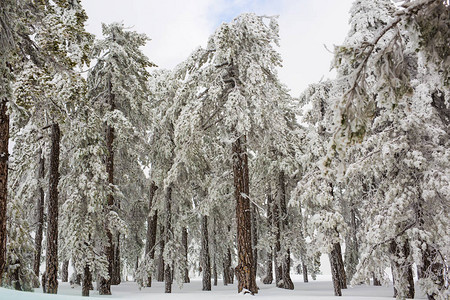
305, 272
65, 271
284, 224
105, 283
4, 139
152, 222
335, 274
161, 264
351, 247
214, 253
254, 213
401, 270
340, 262
206, 261
168, 210
226, 267
269, 263
116, 278
87, 282
184, 241
51, 265
376, 282
277, 249
244, 269
40, 217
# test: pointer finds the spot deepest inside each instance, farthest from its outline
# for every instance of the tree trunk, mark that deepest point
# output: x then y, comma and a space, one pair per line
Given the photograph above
284, 224
432, 268
51, 269
105, 284
376, 282
116, 278
87, 282
305, 272
335, 274
337, 266
401, 270
206, 261
254, 213
340, 263
269, 264
277, 249
40, 217
65, 271
4, 139
351, 246
244, 269
152, 222
184, 242
215, 251
161, 265
226, 267
168, 210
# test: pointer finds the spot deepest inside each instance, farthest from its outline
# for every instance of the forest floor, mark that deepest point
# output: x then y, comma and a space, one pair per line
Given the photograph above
321, 289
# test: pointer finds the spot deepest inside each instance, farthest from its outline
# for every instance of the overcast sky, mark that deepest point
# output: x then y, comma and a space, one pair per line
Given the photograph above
177, 27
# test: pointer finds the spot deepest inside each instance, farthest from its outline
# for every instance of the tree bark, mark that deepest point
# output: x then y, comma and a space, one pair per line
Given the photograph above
226, 267
87, 282
161, 265
335, 274
215, 253
401, 269
305, 272
376, 282
51, 269
351, 247
277, 249
40, 217
206, 260
284, 223
116, 278
244, 269
340, 263
168, 210
4, 139
65, 271
254, 213
105, 283
152, 222
269, 264
184, 241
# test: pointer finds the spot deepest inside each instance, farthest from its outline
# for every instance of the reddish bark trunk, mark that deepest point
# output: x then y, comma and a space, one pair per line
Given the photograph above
244, 269
51, 270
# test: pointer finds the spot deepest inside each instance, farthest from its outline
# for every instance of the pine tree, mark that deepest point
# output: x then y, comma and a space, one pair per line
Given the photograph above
124, 98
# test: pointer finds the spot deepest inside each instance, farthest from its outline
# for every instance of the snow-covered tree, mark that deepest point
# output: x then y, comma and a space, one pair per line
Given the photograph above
391, 127
118, 83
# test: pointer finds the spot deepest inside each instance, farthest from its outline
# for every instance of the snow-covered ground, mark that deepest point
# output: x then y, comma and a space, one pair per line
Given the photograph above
321, 289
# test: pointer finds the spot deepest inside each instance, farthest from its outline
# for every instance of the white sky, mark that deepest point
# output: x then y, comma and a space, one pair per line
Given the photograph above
177, 27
